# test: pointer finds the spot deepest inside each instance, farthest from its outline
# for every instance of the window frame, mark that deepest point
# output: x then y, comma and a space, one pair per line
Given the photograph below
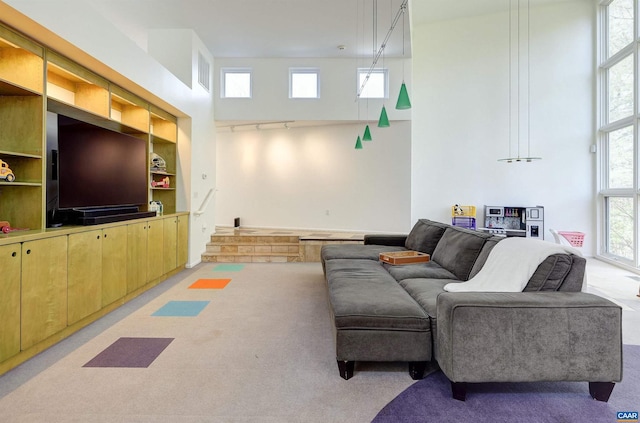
304, 70
606, 128
235, 70
365, 71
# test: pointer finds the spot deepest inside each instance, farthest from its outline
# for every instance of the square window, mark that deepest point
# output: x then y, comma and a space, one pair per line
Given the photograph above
235, 83
377, 84
304, 83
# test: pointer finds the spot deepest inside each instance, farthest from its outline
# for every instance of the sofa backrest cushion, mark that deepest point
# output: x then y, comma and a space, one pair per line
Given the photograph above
424, 236
482, 257
558, 272
458, 250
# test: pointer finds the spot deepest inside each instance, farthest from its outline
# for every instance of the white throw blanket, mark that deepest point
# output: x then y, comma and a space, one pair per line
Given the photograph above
510, 265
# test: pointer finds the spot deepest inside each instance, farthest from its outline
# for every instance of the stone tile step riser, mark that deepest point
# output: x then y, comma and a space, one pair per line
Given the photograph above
249, 259
254, 239
231, 249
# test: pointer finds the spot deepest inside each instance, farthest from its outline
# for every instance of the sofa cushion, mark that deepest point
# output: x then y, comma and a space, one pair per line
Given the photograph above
356, 289
424, 236
425, 292
458, 250
484, 253
553, 274
429, 270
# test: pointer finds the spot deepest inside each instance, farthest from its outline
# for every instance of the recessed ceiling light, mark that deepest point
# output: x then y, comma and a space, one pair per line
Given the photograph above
342, 47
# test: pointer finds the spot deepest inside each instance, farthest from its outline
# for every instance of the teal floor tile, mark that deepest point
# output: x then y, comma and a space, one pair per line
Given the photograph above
181, 308
228, 268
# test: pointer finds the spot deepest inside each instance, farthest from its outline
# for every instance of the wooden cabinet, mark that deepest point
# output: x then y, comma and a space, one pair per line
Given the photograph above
10, 259
114, 264
136, 255
44, 289
84, 280
183, 240
170, 246
155, 243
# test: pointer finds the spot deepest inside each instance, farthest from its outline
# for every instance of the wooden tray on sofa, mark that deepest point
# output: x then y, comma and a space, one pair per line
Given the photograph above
404, 257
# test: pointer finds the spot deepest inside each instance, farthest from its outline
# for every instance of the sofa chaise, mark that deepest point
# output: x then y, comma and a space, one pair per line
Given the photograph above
550, 330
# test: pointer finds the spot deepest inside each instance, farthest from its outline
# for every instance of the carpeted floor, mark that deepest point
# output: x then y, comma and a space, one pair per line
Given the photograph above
256, 348
429, 400
253, 343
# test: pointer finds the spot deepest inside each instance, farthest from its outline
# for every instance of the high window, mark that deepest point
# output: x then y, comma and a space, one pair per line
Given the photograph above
618, 187
377, 84
235, 83
304, 83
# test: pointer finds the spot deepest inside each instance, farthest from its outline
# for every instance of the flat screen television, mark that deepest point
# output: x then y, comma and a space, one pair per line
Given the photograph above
98, 167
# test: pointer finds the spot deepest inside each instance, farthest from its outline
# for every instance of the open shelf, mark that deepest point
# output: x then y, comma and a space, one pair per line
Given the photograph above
129, 110
21, 61
71, 84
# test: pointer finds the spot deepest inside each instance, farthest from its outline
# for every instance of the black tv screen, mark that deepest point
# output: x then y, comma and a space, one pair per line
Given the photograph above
98, 167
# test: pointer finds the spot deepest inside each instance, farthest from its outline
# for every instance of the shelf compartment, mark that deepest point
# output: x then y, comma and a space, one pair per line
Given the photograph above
27, 170
21, 120
129, 110
21, 61
76, 86
163, 126
21, 205
167, 196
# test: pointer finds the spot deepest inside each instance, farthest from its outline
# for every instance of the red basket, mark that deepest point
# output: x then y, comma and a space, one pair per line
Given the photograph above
575, 238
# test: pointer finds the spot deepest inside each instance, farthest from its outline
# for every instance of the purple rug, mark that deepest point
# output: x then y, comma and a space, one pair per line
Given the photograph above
429, 400
130, 352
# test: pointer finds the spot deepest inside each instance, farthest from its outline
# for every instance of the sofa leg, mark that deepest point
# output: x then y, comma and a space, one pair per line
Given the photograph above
346, 369
416, 369
601, 391
459, 390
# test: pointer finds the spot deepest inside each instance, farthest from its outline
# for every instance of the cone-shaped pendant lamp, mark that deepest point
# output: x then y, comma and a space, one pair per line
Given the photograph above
383, 122
358, 144
367, 134
403, 98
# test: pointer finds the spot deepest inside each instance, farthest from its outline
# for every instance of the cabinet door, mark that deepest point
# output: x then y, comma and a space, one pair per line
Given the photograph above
136, 255
10, 258
84, 283
155, 235
169, 244
44, 289
114, 259
183, 240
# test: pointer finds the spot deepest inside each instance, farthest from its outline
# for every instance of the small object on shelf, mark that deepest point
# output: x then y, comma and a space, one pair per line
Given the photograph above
163, 183
575, 238
158, 163
5, 227
6, 173
468, 211
404, 257
464, 222
156, 206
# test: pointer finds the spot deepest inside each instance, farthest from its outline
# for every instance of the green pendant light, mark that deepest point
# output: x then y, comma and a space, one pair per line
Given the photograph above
358, 144
383, 122
367, 134
403, 98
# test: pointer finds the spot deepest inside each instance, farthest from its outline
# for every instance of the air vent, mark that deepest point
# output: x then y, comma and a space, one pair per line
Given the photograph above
203, 71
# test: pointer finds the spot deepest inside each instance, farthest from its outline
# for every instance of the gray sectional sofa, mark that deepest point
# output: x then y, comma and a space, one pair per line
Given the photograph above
551, 331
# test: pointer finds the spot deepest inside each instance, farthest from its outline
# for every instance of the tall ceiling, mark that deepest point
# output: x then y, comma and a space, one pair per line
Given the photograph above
292, 28
266, 28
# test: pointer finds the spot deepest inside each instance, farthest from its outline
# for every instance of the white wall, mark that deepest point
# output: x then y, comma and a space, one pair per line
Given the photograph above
281, 178
290, 178
461, 110
87, 37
